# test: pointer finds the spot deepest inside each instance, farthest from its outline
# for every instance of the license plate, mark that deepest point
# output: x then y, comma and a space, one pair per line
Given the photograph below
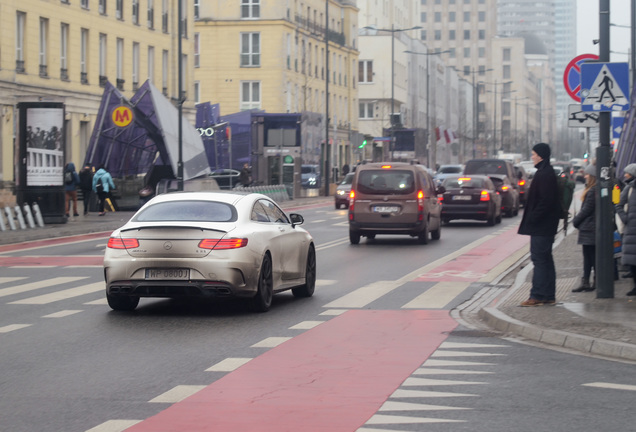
461, 197
385, 209
168, 274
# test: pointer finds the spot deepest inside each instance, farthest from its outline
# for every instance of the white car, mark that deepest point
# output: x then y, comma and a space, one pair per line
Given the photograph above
209, 244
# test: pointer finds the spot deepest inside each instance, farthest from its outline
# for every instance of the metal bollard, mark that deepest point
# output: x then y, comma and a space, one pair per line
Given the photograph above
29, 216
19, 216
7, 210
3, 226
38, 215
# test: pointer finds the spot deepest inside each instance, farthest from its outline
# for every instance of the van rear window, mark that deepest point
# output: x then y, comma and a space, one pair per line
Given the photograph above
383, 182
485, 167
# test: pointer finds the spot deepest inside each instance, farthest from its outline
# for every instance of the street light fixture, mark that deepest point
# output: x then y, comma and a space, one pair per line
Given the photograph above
392, 30
432, 162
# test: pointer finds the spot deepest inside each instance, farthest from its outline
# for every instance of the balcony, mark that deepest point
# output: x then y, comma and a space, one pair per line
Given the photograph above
64, 74
44, 71
103, 80
120, 84
19, 66
84, 78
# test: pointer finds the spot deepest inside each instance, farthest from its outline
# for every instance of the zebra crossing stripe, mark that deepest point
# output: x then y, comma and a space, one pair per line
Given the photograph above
10, 279
400, 393
434, 382
446, 353
450, 345
177, 394
114, 426
439, 371
433, 362
389, 419
37, 285
12, 327
409, 406
438, 296
63, 295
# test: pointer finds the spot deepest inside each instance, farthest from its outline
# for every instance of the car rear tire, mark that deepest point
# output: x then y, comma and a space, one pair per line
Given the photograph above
308, 289
437, 234
354, 237
498, 219
422, 237
492, 220
122, 303
262, 301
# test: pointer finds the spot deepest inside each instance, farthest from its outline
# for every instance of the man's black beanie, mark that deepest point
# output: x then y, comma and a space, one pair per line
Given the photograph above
543, 150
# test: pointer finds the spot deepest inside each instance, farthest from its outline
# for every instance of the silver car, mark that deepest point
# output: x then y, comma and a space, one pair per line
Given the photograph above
209, 244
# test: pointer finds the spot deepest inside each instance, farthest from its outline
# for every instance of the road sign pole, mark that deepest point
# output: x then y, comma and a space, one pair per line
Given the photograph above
604, 267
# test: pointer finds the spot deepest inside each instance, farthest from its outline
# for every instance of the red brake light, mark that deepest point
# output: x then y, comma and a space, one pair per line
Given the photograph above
386, 166
504, 188
522, 182
420, 205
420, 195
464, 179
485, 196
122, 243
232, 243
352, 194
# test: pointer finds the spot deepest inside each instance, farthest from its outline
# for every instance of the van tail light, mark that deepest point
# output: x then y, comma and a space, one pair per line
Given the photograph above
504, 188
440, 198
522, 182
485, 196
352, 203
122, 243
216, 244
420, 206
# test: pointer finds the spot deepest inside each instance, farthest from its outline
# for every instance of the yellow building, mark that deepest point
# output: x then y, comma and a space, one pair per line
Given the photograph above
271, 55
66, 50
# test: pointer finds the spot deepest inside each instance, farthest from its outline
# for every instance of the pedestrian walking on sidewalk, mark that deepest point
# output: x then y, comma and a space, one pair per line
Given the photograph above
585, 222
86, 184
626, 211
540, 221
71, 181
102, 185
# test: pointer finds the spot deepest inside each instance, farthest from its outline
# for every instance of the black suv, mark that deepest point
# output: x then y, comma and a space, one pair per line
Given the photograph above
496, 166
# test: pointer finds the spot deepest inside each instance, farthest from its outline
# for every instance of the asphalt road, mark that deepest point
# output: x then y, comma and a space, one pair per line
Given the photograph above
377, 335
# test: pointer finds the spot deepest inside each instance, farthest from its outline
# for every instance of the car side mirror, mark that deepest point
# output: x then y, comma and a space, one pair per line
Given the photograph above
296, 219
441, 190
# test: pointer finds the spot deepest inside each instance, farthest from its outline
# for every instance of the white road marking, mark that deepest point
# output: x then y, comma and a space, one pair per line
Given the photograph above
611, 386
37, 285
62, 295
364, 295
437, 371
229, 364
325, 282
399, 393
454, 363
270, 342
438, 296
449, 345
446, 353
177, 394
333, 312
434, 382
28, 267
62, 314
318, 221
10, 279
114, 426
12, 327
100, 302
306, 325
332, 244
387, 419
409, 406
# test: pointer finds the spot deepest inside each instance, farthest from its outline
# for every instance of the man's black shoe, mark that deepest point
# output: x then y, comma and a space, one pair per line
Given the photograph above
632, 292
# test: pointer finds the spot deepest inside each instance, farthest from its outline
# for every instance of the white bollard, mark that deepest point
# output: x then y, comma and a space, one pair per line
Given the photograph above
7, 210
19, 216
38, 215
29, 217
3, 227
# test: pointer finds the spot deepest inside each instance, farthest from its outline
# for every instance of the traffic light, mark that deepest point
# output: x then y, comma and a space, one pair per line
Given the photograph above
364, 142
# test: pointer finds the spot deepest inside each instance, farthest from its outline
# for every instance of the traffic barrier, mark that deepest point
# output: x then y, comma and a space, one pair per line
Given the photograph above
3, 226
7, 211
276, 192
23, 217
19, 216
29, 216
38, 215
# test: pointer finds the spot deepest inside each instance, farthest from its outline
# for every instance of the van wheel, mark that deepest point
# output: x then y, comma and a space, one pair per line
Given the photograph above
422, 237
436, 234
354, 237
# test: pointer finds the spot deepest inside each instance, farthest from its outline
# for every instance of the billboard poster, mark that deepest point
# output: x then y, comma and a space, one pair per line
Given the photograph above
44, 146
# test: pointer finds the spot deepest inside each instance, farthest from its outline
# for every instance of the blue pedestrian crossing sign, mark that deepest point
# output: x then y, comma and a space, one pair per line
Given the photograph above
604, 86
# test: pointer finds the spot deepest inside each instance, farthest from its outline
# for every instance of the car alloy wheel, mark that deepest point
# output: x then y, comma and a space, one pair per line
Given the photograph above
307, 290
262, 301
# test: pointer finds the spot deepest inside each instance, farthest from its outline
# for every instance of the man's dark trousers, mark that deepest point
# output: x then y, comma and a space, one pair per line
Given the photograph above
544, 274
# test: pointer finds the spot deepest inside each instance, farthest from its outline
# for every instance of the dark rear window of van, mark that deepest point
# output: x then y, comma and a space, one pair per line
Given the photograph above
486, 167
383, 182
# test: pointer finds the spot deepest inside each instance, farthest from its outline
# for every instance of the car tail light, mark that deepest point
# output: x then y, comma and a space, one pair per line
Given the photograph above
485, 196
464, 179
504, 188
122, 243
522, 182
386, 166
440, 197
216, 244
420, 205
352, 203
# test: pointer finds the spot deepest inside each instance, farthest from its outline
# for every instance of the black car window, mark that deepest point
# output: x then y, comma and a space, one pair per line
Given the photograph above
187, 211
464, 182
383, 182
486, 167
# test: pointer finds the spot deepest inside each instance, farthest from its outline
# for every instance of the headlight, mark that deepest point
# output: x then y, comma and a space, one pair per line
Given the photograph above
340, 192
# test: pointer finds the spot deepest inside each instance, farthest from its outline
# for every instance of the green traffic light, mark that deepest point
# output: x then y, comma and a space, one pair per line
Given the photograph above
363, 144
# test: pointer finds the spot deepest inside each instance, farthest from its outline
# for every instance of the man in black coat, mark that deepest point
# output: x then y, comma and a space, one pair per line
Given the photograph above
540, 221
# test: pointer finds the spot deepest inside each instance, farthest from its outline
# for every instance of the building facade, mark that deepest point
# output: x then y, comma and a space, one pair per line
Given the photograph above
65, 51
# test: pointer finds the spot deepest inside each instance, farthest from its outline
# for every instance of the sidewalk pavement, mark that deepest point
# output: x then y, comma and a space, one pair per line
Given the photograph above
579, 321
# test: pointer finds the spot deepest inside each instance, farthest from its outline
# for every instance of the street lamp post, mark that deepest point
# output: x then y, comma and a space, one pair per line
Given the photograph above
494, 120
432, 145
392, 30
476, 105
516, 105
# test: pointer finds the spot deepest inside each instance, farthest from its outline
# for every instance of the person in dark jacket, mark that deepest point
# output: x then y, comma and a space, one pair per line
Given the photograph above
86, 184
626, 211
585, 222
540, 221
71, 181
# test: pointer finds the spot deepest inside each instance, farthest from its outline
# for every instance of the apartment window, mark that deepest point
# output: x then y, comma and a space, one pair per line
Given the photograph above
438, 17
44, 40
365, 71
482, 52
135, 66
19, 42
482, 16
423, 34
438, 35
466, 34
197, 92
482, 70
84, 4
184, 20
466, 70
120, 64
164, 72
251, 49
102, 60
482, 34
506, 87
184, 75
151, 63
505, 108
102, 7
366, 110
250, 95
506, 72
423, 17
197, 7
250, 9
64, 51
506, 54
288, 51
197, 50
84, 56
164, 16
451, 35
467, 52
151, 14
451, 17
119, 9
466, 16
135, 11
